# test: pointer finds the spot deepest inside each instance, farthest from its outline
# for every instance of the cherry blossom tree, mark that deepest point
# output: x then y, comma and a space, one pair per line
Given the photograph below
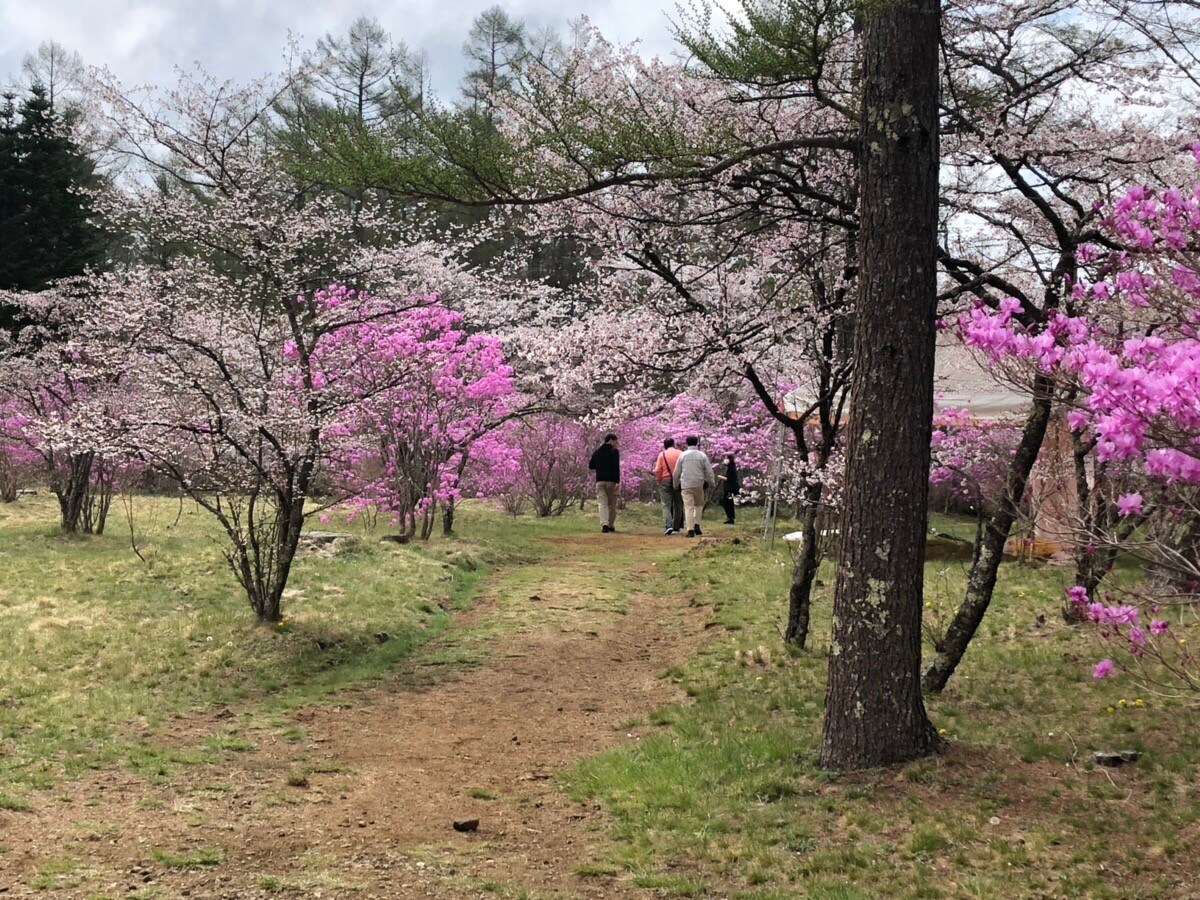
228, 340
595, 133
57, 413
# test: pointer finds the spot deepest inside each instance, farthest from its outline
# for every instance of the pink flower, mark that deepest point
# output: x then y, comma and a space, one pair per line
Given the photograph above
1103, 669
1129, 504
1158, 626
1123, 614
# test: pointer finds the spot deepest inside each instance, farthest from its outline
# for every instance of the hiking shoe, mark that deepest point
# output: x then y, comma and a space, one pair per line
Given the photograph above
605, 529
691, 532
730, 522
698, 531
667, 531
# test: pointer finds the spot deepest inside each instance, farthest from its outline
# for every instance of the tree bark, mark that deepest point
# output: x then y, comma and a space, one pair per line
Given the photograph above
989, 549
804, 571
71, 489
874, 711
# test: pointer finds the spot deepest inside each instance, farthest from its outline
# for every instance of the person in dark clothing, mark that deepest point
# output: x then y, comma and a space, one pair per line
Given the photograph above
730, 483
606, 463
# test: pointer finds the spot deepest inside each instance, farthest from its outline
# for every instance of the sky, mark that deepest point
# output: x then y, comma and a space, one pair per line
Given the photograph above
142, 41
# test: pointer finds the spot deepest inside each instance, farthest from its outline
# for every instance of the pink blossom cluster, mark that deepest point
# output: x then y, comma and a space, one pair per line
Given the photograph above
403, 445
1129, 349
970, 457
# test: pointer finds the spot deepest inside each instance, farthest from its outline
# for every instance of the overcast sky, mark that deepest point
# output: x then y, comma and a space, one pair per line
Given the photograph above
143, 40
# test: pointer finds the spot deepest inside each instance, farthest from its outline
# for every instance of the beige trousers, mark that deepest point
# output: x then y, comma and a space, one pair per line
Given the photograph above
606, 497
693, 507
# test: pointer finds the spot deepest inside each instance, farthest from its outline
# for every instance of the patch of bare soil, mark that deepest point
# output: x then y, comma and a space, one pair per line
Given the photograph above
375, 788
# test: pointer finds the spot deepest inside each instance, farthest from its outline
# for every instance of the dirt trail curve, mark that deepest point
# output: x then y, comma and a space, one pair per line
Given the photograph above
387, 776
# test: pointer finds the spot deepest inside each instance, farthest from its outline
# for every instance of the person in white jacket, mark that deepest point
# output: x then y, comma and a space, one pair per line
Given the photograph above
693, 474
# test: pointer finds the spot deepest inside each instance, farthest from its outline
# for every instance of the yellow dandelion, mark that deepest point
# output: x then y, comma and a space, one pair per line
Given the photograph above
1121, 703
941, 731
1111, 710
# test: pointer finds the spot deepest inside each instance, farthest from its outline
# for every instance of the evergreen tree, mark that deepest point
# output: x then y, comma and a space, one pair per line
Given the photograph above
494, 50
47, 230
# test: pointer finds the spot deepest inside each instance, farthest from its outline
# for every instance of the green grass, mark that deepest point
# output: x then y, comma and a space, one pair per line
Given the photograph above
100, 652
728, 788
201, 856
59, 875
102, 656
13, 803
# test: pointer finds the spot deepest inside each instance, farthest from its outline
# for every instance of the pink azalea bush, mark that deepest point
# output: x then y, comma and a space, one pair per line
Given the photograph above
970, 460
1131, 349
405, 444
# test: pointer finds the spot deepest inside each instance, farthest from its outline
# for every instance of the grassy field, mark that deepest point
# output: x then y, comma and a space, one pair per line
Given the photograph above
102, 655
100, 651
726, 799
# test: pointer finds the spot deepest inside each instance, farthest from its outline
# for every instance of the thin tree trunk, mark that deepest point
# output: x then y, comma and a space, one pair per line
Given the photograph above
804, 570
874, 712
989, 549
71, 489
287, 540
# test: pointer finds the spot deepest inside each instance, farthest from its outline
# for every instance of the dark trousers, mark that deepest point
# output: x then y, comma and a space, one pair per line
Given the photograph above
727, 505
671, 499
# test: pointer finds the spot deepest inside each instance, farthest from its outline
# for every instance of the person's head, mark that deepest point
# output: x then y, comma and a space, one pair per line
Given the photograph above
729, 459
610, 438
668, 443
693, 441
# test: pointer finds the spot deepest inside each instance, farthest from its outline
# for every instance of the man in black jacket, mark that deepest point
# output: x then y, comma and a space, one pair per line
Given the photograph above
606, 463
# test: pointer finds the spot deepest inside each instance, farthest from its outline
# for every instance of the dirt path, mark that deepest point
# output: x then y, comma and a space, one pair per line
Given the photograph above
378, 784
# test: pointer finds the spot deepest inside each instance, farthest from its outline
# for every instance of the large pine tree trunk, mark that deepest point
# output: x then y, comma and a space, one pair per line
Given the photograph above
874, 713
989, 551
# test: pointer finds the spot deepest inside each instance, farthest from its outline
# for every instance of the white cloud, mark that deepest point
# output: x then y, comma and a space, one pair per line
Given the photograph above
143, 40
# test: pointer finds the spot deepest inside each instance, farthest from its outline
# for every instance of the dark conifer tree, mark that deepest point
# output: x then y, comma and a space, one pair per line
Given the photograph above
47, 224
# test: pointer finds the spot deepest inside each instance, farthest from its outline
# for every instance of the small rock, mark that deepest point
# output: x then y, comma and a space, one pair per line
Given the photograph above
319, 538
994, 820
468, 825
1113, 758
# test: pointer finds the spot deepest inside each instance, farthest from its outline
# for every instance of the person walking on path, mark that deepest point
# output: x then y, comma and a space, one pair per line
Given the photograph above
606, 463
730, 484
668, 494
693, 473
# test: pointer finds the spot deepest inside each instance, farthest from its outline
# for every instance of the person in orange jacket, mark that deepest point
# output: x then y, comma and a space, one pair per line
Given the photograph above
670, 496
